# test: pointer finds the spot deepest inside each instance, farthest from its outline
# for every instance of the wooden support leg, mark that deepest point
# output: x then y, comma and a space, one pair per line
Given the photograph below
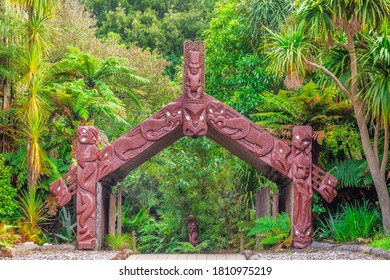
111, 215
275, 205
87, 152
263, 202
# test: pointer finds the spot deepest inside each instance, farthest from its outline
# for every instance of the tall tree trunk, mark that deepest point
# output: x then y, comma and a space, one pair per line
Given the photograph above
373, 165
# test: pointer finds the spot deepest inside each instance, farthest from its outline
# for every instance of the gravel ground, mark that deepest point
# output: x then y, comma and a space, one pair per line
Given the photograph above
317, 252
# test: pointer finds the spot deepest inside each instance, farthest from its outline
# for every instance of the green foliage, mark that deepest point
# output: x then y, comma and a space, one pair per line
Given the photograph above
352, 173
273, 231
32, 205
186, 247
67, 231
119, 242
353, 221
8, 194
7, 236
236, 71
382, 243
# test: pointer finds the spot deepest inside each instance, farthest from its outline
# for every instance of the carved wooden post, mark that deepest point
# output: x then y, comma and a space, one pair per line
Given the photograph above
194, 105
111, 214
119, 220
303, 192
87, 155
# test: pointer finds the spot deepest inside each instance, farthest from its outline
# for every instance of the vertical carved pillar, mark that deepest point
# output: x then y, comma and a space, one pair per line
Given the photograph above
194, 106
303, 192
87, 155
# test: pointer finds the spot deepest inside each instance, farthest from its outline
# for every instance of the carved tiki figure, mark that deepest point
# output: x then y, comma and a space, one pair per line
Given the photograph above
194, 76
194, 107
192, 231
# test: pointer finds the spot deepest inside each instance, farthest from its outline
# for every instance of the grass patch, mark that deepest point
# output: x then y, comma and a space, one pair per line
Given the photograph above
383, 243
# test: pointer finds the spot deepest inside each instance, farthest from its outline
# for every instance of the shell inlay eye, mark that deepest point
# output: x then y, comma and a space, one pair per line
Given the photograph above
211, 110
188, 118
168, 114
281, 151
297, 136
179, 113
201, 118
83, 139
59, 188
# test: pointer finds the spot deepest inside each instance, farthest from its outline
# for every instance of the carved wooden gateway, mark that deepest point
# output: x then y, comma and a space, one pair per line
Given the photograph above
193, 114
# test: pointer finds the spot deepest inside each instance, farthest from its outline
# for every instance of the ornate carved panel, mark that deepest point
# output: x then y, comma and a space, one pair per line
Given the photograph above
324, 183
64, 188
194, 70
194, 106
239, 128
87, 171
303, 192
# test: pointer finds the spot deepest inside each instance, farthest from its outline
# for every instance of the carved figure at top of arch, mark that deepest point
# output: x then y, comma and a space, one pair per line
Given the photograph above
194, 82
194, 70
163, 122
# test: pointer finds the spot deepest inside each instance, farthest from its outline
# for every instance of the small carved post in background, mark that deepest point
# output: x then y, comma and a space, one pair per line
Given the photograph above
192, 231
194, 106
303, 192
87, 155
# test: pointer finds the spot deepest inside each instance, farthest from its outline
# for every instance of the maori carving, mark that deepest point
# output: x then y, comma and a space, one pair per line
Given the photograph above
64, 188
61, 193
194, 70
127, 146
87, 171
280, 157
324, 183
194, 113
239, 128
303, 192
105, 165
163, 122
192, 231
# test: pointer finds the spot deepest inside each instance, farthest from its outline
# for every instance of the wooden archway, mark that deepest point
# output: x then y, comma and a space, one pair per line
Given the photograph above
193, 114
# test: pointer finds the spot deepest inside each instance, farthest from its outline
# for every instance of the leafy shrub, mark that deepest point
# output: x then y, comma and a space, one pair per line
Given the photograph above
119, 241
186, 247
67, 232
33, 216
7, 236
357, 220
382, 243
8, 204
273, 231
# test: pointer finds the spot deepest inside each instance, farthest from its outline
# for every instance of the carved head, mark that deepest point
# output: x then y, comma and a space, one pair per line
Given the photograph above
302, 236
301, 140
327, 188
194, 62
173, 115
60, 191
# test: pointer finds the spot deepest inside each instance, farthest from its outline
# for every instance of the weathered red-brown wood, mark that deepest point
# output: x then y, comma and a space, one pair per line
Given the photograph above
87, 174
111, 214
303, 191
